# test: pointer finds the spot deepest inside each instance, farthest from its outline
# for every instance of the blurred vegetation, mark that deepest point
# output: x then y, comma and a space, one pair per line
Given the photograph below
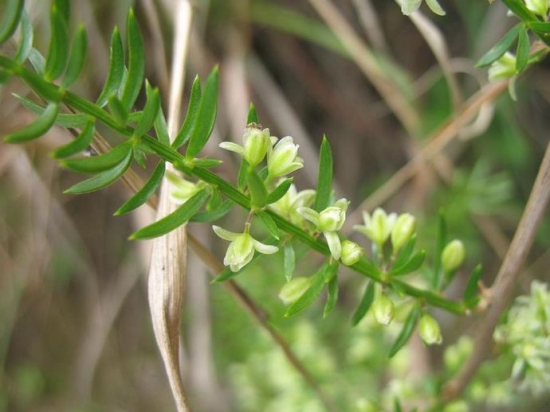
75, 332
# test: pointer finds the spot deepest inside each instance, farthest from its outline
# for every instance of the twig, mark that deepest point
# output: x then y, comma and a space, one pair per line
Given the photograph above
509, 273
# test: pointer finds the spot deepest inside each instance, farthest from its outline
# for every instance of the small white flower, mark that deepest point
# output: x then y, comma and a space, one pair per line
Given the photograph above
378, 226
329, 221
539, 7
242, 247
503, 68
402, 231
256, 144
351, 252
283, 159
288, 205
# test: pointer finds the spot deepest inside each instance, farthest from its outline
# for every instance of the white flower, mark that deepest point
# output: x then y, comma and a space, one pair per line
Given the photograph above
283, 159
256, 144
402, 230
539, 7
503, 68
378, 226
242, 247
329, 221
351, 252
288, 205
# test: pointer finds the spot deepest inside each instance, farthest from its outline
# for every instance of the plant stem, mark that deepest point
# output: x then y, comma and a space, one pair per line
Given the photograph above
509, 273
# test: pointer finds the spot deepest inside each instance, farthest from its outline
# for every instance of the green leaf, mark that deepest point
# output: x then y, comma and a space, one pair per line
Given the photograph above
542, 30
118, 110
206, 116
66, 120
26, 38
500, 48
522, 52
116, 70
324, 183
332, 296
407, 331
191, 118
150, 112
95, 164
289, 261
12, 15
103, 179
520, 9
413, 264
161, 129
175, 219
269, 223
77, 58
252, 115
37, 128
258, 192
405, 253
136, 63
241, 176
206, 162
471, 296
37, 61
79, 144
279, 191
437, 277
364, 305
64, 8
310, 295
145, 193
215, 214
59, 45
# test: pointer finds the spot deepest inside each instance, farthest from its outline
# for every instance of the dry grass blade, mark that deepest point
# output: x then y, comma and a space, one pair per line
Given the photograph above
169, 254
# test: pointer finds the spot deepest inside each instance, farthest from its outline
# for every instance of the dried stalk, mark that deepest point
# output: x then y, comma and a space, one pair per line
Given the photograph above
510, 271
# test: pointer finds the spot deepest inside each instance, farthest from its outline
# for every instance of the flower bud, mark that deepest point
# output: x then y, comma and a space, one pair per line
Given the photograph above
429, 331
256, 144
283, 159
539, 7
351, 253
378, 226
383, 310
402, 231
294, 289
503, 68
453, 255
332, 218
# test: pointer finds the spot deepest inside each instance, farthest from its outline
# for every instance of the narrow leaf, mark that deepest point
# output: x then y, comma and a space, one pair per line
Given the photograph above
520, 9
103, 179
150, 112
64, 8
289, 261
26, 38
190, 119
136, 63
269, 223
471, 296
95, 164
413, 264
279, 191
77, 57
37, 60
12, 15
324, 183
79, 144
437, 276
310, 295
215, 214
59, 46
206, 116
405, 253
206, 162
500, 48
116, 69
145, 193
161, 129
258, 192
522, 53
118, 110
66, 120
407, 331
364, 305
332, 296
252, 115
175, 219
37, 128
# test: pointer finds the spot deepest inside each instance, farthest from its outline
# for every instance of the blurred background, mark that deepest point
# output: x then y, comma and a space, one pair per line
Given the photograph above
75, 332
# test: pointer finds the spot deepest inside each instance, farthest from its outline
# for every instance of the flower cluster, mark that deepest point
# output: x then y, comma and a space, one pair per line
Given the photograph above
527, 332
